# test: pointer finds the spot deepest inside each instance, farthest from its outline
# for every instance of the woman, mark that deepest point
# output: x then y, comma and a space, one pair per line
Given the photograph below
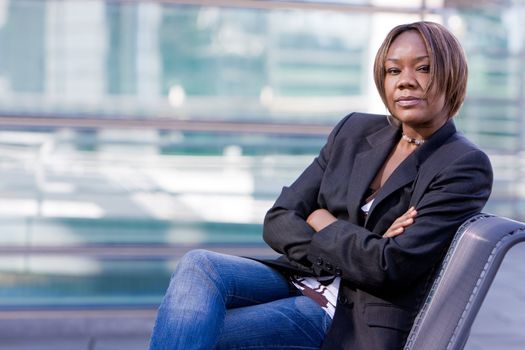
361, 230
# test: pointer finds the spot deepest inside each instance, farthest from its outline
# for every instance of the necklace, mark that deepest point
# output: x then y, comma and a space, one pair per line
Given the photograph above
412, 140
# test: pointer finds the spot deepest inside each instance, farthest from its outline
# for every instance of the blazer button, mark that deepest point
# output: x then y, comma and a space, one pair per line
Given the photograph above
329, 267
338, 271
342, 299
319, 262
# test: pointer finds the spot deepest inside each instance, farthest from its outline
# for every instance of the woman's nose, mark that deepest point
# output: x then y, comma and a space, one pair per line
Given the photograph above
407, 79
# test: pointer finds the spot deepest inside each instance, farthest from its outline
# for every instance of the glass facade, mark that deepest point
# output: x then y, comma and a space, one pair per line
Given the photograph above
133, 131
156, 60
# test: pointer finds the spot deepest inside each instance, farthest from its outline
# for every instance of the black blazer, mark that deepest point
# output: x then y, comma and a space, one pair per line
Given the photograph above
384, 280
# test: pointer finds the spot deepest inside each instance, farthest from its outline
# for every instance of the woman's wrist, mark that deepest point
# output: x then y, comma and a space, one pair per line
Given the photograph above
319, 219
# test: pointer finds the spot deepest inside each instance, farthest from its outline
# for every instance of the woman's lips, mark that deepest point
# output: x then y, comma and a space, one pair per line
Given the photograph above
408, 101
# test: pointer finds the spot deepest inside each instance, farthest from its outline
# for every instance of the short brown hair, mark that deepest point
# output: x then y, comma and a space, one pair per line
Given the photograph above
448, 65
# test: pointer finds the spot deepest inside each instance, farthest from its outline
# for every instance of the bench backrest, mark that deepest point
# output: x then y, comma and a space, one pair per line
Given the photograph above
462, 282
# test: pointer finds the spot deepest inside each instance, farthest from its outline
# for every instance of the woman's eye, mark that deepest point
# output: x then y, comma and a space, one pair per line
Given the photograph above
425, 69
392, 71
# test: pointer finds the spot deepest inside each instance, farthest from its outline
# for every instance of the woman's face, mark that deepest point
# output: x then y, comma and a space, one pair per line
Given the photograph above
407, 76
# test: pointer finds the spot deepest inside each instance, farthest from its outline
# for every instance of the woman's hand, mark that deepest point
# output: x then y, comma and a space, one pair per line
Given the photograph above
319, 219
402, 222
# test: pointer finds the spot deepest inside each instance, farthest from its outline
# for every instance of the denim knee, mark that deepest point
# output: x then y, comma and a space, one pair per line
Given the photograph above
196, 260
196, 257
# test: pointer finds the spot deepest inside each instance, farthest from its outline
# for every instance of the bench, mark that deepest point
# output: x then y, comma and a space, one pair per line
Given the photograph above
462, 282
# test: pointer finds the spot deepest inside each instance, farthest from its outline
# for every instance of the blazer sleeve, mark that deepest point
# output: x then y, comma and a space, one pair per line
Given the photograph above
285, 228
371, 262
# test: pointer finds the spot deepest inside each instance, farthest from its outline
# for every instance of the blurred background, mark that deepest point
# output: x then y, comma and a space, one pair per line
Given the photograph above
133, 131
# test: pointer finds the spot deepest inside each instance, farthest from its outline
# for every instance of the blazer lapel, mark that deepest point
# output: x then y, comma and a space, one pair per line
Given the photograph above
408, 170
366, 165
405, 173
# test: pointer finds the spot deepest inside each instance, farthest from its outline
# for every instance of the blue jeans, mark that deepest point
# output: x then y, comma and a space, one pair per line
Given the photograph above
217, 301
